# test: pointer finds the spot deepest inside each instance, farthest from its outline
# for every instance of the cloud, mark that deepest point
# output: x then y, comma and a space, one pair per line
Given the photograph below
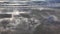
38, 0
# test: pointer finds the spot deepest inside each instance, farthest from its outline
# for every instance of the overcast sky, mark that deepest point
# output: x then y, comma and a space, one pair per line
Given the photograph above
38, 0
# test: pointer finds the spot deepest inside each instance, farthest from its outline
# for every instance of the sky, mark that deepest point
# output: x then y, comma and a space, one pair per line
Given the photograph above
38, 0
45, 0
